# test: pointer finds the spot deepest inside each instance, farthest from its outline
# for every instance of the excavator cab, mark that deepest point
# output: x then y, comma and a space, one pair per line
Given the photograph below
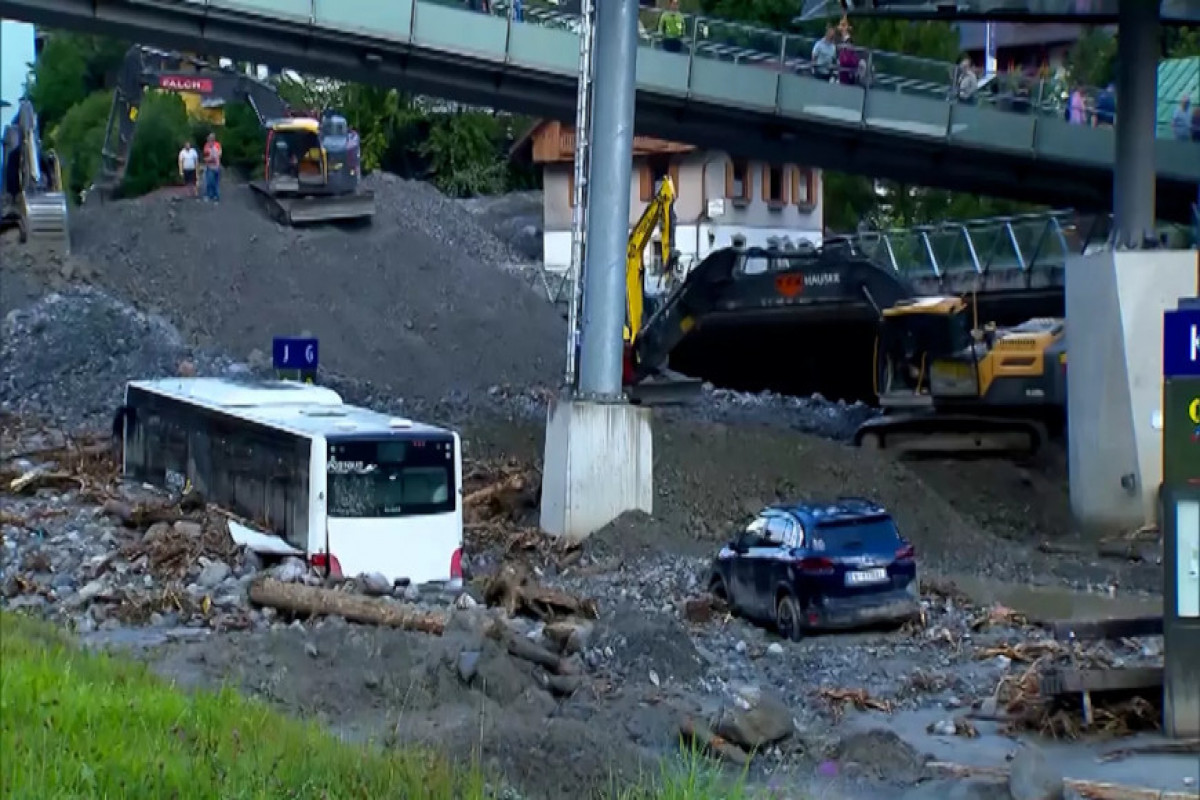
296, 160
919, 339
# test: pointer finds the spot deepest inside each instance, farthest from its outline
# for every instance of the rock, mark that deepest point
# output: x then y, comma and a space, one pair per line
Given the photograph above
213, 574
775, 649
411, 594
185, 527
156, 531
468, 665
290, 570
310, 650
958, 790
375, 584
1033, 778
754, 718
89, 592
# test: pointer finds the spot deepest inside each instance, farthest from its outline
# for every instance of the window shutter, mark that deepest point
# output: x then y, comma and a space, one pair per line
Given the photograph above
674, 173
647, 182
571, 188
729, 179
766, 182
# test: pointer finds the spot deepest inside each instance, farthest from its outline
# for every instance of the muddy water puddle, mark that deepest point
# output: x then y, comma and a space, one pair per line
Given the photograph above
1055, 603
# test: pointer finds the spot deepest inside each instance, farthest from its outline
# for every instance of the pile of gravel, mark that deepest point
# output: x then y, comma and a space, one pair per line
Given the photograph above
417, 303
68, 356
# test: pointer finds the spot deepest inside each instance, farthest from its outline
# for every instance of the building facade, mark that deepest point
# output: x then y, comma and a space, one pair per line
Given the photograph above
720, 201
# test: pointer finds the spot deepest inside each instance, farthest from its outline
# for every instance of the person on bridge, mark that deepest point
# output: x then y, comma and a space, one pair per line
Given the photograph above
671, 25
212, 169
1181, 121
189, 159
824, 54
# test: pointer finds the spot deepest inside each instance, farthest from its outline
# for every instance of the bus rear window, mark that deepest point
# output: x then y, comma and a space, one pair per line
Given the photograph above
391, 478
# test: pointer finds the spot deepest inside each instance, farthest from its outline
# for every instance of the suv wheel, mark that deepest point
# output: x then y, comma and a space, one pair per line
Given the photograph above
717, 588
788, 619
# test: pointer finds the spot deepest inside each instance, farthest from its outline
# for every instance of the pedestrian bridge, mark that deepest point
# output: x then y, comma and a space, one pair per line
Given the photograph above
771, 107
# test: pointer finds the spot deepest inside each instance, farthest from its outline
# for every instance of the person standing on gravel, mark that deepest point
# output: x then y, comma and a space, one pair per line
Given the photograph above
189, 159
212, 169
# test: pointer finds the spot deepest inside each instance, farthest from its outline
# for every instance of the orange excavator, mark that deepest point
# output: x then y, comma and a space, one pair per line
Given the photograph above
311, 167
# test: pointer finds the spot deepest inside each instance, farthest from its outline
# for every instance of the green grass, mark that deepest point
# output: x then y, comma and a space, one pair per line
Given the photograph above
79, 724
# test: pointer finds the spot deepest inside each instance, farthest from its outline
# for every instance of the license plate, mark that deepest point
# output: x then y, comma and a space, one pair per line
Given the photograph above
865, 576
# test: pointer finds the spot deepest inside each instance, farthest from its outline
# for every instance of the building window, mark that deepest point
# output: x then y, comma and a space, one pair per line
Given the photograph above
804, 187
775, 189
737, 181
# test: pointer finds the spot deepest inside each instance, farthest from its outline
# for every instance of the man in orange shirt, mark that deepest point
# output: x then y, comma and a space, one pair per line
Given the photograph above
212, 169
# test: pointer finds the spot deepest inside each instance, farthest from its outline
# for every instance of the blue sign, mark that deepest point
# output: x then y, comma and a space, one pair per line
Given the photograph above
289, 353
1181, 343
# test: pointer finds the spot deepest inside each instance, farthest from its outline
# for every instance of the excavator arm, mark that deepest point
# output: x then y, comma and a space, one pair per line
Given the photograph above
659, 213
145, 68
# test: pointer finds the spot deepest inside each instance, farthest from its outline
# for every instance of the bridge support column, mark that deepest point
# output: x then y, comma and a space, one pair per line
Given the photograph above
1115, 303
598, 457
1137, 118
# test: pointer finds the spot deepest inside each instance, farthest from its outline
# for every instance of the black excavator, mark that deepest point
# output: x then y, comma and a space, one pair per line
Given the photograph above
33, 201
312, 169
772, 290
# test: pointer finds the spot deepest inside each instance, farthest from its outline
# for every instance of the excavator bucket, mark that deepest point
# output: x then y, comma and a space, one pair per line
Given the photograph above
665, 389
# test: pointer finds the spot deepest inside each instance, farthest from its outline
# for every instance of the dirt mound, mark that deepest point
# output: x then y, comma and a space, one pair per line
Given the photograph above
414, 302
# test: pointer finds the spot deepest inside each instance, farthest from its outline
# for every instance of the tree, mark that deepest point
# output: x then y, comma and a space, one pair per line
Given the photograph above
79, 138
162, 127
59, 80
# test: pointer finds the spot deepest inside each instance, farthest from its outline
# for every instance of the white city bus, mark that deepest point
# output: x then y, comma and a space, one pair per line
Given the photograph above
352, 490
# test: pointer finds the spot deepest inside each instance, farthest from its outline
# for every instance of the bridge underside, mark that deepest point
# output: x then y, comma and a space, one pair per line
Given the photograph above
468, 79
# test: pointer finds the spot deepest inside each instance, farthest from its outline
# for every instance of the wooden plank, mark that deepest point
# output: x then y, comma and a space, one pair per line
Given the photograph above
1117, 628
1075, 681
1090, 790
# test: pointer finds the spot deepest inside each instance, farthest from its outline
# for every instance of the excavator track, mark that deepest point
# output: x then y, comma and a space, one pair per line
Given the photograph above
315, 209
951, 434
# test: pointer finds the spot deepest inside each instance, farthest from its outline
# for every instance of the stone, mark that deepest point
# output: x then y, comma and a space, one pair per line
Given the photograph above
468, 665
755, 718
185, 527
290, 570
1032, 777
958, 790
156, 531
375, 584
213, 574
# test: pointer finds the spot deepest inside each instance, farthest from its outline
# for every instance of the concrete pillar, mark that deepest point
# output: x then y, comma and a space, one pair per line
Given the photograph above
598, 458
1115, 303
1137, 117
616, 43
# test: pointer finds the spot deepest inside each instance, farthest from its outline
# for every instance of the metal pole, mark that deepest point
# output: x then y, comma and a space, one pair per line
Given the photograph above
1137, 97
616, 46
989, 48
579, 195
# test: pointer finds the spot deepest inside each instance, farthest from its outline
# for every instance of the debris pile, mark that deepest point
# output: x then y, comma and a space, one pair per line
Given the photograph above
415, 303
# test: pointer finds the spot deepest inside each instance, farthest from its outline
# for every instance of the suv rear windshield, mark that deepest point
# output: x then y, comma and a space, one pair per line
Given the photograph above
853, 536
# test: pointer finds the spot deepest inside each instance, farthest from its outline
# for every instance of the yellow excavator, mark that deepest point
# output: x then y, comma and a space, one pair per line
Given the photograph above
948, 385
663, 386
32, 199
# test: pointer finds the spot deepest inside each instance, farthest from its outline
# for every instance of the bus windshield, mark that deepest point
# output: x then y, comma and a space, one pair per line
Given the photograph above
391, 478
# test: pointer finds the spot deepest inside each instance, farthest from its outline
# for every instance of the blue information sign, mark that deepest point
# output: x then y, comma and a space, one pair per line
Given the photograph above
292, 353
1181, 343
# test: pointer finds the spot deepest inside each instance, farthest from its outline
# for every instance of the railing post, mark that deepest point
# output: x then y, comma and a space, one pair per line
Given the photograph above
692, 52
783, 52
1016, 245
971, 249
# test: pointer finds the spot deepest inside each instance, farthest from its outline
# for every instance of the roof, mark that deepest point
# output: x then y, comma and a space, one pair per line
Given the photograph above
298, 408
549, 142
845, 508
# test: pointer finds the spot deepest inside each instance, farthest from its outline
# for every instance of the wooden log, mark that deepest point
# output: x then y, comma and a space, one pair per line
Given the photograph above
316, 600
698, 732
511, 483
1089, 790
522, 648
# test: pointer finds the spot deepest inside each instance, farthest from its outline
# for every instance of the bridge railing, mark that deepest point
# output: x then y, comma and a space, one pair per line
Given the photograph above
735, 42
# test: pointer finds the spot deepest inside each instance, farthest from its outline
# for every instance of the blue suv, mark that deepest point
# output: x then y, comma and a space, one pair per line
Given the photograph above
808, 566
